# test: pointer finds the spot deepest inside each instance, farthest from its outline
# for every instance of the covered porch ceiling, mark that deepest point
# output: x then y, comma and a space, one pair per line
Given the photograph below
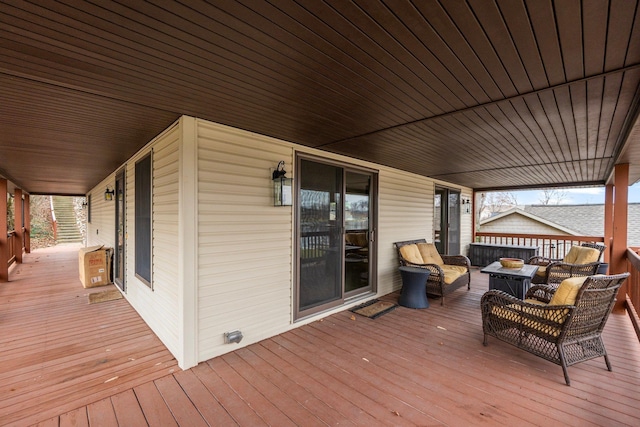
485, 94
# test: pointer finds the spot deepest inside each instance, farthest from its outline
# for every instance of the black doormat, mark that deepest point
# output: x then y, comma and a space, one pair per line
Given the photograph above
374, 308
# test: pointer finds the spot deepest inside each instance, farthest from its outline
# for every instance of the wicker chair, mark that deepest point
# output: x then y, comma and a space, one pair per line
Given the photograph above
448, 273
554, 271
562, 325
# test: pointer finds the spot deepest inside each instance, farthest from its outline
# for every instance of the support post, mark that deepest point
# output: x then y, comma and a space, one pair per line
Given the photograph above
620, 220
27, 224
18, 224
608, 221
473, 216
4, 248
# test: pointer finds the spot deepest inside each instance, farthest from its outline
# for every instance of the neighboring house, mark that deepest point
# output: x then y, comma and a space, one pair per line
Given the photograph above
570, 220
202, 251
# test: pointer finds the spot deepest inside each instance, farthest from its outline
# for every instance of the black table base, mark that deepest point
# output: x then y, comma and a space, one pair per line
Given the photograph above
414, 287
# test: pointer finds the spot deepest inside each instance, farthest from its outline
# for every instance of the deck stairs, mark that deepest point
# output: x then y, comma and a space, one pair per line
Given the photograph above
68, 231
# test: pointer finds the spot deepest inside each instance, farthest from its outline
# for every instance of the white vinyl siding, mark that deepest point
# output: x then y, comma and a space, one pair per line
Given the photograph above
158, 306
245, 243
516, 223
222, 253
406, 213
102, 228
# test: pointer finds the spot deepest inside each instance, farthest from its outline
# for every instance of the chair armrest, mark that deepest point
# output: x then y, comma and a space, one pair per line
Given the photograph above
540, 260
457, 260
542, 293
435, 269
558, 271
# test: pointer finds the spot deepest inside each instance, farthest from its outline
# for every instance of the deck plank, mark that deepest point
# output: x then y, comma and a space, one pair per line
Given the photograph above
183, 410
59, 351
127, 409
406, 368
102, 413
153, 405
75, 418
210, 408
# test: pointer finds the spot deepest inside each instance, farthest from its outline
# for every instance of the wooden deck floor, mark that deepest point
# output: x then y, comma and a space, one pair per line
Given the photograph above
406, 368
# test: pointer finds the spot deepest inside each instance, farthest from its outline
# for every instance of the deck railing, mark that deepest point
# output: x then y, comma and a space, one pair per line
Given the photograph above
633, 286
554, 246
550, 245
11, 244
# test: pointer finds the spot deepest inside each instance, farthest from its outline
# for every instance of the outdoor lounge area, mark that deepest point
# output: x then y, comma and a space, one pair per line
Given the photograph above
408, 367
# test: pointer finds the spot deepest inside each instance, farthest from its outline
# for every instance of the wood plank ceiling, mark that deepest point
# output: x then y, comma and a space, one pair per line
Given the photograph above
481, 93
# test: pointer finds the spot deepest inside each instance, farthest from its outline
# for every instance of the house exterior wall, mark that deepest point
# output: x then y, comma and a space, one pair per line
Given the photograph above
222, 253
245, 244
515, 223
158, 305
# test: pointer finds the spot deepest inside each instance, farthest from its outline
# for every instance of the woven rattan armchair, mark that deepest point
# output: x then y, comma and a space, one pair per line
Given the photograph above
562, 325
448, 272
554, 271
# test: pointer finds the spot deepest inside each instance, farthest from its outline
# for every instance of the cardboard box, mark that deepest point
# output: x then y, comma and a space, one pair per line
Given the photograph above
95, 266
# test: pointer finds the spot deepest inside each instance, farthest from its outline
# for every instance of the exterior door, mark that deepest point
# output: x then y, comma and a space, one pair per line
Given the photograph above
335, 235
119, 255
446, 217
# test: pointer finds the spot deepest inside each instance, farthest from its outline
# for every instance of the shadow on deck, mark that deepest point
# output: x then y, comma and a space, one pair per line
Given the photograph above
65, 362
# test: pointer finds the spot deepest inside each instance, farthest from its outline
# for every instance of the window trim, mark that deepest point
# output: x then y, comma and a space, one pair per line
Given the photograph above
143, 242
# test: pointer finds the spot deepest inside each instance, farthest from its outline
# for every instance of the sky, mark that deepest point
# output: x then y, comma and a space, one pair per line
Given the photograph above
575, 196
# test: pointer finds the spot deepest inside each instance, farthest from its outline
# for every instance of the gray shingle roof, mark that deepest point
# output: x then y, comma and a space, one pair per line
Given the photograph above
587, 220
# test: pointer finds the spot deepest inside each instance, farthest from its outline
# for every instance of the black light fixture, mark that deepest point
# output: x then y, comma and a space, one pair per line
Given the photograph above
282, 186
108, 194
466, 205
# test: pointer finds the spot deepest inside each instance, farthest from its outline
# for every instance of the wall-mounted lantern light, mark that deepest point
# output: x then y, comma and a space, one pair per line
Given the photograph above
282, 186
466, 205
108, 194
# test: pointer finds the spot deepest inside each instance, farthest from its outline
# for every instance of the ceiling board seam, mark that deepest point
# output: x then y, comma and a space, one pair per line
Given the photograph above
486, 104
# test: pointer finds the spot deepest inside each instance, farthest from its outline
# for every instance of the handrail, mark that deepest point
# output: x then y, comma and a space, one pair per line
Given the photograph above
551, 245
633, 287
53, 219
11, 246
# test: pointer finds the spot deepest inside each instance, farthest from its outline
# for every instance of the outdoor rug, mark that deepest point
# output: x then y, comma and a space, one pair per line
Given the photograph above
374, 308
103, 296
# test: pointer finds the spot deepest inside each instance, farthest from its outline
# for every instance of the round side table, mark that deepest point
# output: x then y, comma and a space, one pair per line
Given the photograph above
414, 287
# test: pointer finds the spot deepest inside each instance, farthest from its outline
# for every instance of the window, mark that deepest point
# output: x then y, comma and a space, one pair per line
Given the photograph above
89, 208
143, 188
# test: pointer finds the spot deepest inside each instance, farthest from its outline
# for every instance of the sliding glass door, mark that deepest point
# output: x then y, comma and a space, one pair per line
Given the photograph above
446, 226
335, 234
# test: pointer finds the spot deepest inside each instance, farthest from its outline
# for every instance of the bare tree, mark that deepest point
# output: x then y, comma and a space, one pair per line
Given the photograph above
552, 196
495, 202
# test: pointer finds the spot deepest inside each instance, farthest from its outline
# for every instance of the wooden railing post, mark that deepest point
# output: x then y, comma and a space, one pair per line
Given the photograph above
633, 287
27, 224
608, 220
4, 248
618, 262
18, 224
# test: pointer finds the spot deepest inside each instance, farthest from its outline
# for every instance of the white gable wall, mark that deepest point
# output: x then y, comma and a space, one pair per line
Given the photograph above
519, 224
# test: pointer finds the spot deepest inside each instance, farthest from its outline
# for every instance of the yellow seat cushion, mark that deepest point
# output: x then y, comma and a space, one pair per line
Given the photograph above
582, 255
542, 271
430, 254
564, 295
567, 291
523, 314
452, 272
411, 254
